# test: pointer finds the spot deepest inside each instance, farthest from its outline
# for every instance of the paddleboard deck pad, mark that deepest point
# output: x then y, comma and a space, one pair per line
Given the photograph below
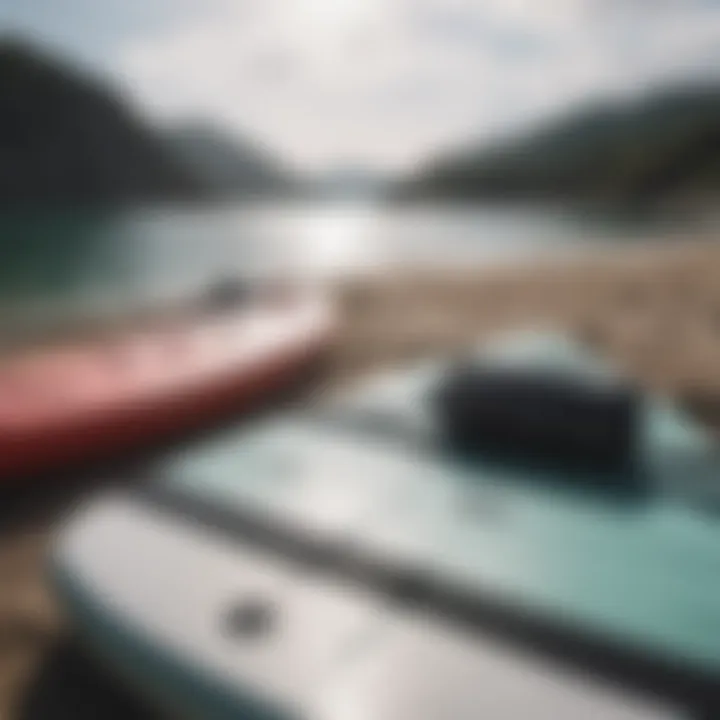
342, 564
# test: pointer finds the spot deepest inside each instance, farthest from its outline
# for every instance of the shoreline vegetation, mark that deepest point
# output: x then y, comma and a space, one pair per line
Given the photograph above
659, 149
68, 139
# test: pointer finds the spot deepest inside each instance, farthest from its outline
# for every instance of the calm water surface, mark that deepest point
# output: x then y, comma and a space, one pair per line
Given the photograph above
58, 265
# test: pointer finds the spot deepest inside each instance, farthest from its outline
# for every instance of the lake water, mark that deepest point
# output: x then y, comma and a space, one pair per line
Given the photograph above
56, 266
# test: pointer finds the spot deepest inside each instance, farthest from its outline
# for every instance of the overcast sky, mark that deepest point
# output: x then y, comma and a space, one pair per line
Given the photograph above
380, 83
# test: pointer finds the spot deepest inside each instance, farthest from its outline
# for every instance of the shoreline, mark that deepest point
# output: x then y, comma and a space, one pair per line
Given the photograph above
655, 311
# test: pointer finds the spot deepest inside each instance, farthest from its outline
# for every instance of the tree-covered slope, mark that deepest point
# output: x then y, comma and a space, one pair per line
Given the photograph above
661, 146
66, 139
229, 165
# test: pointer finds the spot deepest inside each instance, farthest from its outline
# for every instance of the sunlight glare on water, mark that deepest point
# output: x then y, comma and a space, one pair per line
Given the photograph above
340, 239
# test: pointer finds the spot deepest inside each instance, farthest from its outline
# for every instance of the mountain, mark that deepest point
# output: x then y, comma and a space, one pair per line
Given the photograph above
64, 138
226, 164
662, 146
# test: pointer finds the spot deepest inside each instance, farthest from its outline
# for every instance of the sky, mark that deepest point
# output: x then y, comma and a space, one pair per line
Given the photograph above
380, 84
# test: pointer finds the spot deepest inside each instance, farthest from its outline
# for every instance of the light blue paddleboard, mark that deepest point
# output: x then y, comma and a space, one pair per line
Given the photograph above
254, 576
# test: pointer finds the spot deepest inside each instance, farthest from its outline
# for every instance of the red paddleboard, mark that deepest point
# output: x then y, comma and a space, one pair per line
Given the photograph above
80, 404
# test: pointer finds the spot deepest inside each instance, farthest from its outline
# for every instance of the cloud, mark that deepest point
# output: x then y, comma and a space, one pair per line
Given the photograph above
387, 82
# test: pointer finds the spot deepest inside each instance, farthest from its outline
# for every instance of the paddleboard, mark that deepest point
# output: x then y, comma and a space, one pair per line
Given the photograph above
79, 404
340, 564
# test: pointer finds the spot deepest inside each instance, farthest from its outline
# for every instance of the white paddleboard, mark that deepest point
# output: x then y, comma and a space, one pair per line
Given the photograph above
209, 628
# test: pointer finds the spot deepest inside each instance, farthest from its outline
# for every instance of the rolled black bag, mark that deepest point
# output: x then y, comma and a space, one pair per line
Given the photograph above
539, 415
